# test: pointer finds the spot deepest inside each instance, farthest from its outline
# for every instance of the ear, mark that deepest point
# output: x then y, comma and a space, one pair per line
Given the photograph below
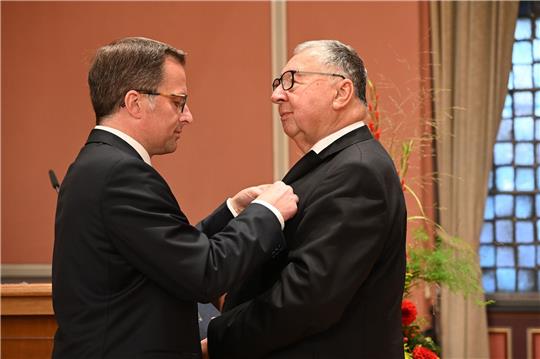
133, 104
344, 94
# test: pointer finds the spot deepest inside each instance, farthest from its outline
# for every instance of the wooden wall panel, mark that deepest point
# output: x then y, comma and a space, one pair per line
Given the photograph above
28, 324
500, 343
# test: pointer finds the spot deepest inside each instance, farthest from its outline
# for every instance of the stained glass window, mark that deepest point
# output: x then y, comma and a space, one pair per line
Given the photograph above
509, 248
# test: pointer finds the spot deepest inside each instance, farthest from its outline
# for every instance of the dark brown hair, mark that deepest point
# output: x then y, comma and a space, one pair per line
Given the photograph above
132, 63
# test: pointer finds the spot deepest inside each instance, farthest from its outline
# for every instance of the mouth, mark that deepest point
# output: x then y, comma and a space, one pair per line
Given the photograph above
284, 114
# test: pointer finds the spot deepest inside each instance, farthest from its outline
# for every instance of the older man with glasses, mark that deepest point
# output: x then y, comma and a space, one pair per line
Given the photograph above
336, 292
128, 267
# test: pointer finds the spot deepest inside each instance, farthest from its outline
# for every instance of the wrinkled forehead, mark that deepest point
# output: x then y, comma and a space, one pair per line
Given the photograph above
307, 60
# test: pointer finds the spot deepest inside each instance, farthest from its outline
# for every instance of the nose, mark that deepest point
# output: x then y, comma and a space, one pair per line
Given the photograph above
186, 115
279, 95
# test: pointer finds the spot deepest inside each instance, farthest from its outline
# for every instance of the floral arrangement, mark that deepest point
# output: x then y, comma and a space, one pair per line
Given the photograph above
434, 257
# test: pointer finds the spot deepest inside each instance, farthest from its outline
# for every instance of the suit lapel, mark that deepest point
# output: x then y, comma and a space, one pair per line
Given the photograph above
303, 166
312, 160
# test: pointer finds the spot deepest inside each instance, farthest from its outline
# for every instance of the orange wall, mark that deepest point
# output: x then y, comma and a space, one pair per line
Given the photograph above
46, 113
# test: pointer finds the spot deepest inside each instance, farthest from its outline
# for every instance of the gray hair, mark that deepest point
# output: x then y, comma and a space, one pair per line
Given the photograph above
343, 57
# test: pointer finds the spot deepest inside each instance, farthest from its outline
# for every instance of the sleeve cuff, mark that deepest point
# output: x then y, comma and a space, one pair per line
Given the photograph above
231, 208
273, 209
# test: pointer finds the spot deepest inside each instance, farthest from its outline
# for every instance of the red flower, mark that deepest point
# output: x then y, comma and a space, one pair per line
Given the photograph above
408, 312
377, 134
403, 185
370, 108
377, 115
371, 126
423, 353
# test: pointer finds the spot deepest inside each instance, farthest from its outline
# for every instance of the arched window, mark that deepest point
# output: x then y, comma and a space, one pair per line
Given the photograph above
509, 245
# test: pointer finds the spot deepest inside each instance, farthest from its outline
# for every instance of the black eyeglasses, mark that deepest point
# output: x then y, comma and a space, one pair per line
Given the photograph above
178, 100
287, 78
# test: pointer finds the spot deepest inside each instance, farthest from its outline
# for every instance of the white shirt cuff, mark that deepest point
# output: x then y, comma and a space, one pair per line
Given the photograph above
231, 208
274, 210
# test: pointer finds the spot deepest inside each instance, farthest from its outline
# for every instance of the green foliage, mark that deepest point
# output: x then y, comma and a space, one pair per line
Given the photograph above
450, 262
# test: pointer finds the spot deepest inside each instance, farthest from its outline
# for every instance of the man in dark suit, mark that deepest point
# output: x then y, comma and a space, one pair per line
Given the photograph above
128, 268
336, 293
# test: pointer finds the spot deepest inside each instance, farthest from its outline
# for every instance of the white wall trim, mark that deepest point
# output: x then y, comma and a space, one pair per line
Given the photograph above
280, 142
26, 270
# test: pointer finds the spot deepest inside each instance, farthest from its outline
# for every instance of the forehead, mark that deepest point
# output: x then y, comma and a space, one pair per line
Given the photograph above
174, 75
305, 61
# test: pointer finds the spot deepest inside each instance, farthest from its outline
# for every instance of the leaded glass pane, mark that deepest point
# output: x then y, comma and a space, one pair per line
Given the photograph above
536, 75
505, 257
490, 180
524, 154
526, 256
503, 154
488, 281
511, 81
487, 256
524, 179
504, 178
504, 231
523, 29
523, 76
536, 50
537, 105
524, 232
523, 128
522, 54
506, 280
504, 205
523, 103
524, 205
525, 280
487, 233
505, 130
488, 211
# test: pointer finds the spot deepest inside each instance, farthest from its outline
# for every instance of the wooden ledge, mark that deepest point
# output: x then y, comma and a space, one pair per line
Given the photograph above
27, 299
26, 289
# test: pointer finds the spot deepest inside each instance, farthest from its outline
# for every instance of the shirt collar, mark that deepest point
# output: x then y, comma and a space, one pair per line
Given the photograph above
328, 140
130, 140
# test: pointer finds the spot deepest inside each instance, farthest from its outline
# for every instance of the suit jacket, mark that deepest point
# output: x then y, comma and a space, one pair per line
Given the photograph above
129, 269
337, 292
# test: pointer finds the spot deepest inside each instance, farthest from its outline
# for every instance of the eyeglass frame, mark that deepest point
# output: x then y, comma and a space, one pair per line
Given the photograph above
181, 105
293, 72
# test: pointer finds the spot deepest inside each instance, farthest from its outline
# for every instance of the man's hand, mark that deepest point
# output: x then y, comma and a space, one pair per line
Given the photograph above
243, 198
219, 302
204, 348
282, 197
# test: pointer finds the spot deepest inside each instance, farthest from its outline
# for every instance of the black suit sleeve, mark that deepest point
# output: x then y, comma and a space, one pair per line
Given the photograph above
216, 221
148, 228
339, 239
